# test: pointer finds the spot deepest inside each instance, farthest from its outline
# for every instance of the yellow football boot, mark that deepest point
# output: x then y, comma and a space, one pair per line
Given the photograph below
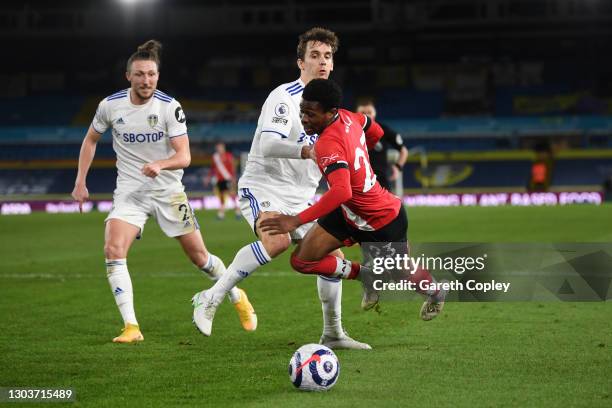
130, 334
246, 313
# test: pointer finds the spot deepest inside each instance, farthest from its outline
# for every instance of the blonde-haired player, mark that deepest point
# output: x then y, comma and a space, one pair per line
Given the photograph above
150, 139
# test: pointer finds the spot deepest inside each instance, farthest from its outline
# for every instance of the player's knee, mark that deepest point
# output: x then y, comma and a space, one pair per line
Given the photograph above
275, 244
338, 254
302, 266
113, 250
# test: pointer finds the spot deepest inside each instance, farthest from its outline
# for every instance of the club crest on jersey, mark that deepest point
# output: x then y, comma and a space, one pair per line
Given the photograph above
152, 119
281, 110
349, 122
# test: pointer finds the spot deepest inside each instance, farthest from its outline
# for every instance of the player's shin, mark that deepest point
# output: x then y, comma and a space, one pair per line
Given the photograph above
330, 294
214, 269
121, 286
247, 259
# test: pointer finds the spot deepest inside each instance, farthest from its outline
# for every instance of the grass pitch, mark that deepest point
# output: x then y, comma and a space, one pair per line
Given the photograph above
58, 317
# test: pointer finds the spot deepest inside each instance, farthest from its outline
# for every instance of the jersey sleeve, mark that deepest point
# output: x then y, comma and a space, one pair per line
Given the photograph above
331, 155
373, 131
101, 121
276, 115
276, 123
176, 122
338, 193
392, 138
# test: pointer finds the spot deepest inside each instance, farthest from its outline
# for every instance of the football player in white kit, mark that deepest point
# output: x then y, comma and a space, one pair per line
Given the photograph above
150, 139
280, 177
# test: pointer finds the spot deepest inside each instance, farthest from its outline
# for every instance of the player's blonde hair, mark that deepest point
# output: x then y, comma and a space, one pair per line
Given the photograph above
149, 51
318, 34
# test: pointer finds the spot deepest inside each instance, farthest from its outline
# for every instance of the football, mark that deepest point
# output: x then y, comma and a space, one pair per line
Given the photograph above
314, 367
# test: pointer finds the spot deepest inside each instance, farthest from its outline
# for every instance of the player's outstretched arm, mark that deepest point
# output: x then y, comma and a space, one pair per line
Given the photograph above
273, 147
338, 193
88, 151
179, 160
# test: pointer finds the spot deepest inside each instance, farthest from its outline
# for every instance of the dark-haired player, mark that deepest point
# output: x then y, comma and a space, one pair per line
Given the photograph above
150, 139
355, 208
281, 178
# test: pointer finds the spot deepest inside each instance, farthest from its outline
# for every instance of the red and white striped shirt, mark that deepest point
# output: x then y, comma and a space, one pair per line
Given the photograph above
223, 166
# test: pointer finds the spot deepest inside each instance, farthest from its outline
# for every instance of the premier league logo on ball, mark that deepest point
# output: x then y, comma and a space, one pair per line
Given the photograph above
314, 367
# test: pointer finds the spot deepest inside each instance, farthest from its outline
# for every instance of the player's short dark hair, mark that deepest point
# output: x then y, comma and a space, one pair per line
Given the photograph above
317, 34
365, 101
149, 51
324, 91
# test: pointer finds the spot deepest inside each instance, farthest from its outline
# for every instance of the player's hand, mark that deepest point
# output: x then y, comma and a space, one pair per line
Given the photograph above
80, 194
394, 173
308, 153
279, 224
151, 169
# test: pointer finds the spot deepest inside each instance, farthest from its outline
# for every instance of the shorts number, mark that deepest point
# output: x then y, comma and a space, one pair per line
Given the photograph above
185, 210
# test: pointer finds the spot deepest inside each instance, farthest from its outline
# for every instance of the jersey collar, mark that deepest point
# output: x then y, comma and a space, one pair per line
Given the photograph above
139, 106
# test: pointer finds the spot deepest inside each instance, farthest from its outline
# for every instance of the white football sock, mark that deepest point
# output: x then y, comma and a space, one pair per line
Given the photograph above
247, 259
209, 270
121, 286
330, 294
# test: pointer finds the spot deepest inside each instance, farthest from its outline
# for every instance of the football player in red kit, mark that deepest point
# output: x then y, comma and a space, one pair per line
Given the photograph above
224, 171
355, 208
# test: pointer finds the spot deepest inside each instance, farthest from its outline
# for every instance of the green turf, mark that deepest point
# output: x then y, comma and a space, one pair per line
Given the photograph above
58, 316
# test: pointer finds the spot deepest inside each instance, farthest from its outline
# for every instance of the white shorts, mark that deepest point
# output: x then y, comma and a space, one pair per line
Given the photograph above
172, 211
252, 201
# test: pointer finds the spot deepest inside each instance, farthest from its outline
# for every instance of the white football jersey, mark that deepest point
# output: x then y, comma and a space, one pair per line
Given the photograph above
141, 134
294, 180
